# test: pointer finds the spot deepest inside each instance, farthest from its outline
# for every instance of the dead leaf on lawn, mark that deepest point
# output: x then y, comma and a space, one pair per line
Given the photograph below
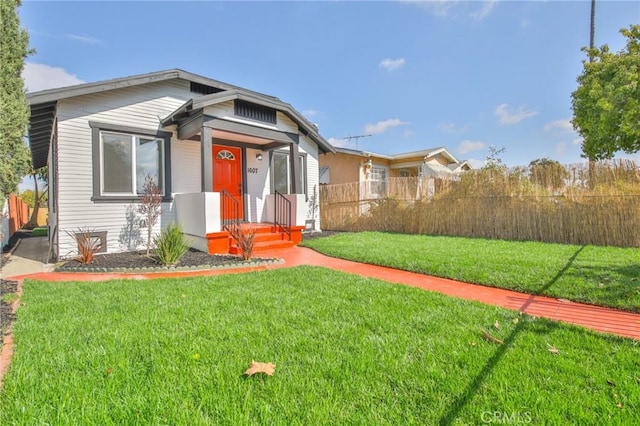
472, 343
610, 383
619, 405
491, 338
515, 320
496, 324
260, 367
552, 349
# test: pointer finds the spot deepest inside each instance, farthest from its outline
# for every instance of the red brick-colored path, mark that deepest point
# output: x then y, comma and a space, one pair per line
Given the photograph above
600, 319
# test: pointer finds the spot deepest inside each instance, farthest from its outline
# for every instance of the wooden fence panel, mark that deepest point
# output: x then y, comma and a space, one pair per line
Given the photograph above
597, 205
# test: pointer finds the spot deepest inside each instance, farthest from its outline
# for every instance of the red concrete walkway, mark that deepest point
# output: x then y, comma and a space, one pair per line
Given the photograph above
600, 319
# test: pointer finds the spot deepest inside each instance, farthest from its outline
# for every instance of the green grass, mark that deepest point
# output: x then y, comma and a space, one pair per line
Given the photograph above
348, 350
605, 276
39, 232
9, 297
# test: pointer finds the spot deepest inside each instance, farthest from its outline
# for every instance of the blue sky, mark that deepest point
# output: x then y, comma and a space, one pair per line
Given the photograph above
414, 75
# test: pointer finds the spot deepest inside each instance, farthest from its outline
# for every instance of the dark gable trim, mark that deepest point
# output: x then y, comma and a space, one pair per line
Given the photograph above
96, 128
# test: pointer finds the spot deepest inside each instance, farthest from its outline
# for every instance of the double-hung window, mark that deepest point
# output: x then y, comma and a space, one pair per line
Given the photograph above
281, 179
378, 181
124, 159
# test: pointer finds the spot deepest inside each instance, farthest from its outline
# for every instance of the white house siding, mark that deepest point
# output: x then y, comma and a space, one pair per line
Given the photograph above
312, 177
139, 106
258, 184
185, 166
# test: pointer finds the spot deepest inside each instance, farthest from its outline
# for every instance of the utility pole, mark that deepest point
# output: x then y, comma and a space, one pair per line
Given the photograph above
348, 138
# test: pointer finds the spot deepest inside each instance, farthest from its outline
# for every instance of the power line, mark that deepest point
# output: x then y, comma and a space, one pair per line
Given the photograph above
348, 138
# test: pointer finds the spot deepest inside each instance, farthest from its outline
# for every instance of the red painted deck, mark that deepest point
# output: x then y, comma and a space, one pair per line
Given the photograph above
596, 318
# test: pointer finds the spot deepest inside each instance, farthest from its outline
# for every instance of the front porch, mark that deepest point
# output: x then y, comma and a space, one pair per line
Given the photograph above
267, 236
201, 216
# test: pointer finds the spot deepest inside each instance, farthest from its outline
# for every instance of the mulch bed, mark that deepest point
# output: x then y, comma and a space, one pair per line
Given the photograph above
140, 261
6, 312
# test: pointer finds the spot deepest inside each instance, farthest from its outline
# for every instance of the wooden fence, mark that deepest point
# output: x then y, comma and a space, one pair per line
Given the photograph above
15, 215
574, 204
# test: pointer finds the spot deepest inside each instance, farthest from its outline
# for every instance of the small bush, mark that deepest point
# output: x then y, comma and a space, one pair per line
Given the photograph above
245, 240
88, 244
171, 245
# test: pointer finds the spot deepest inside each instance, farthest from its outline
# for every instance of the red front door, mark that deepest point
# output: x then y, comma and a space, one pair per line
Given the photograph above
227, 174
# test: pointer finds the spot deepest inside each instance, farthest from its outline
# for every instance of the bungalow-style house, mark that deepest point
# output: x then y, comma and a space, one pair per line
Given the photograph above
222, 155
373, 170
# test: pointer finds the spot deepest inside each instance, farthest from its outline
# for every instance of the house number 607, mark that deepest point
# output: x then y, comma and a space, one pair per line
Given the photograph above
252, 170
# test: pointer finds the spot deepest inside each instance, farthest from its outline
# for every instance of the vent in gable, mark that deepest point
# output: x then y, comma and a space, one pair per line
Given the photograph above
254, 112
203, 89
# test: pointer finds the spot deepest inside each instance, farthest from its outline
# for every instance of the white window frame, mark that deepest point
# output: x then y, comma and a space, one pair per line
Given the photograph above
371, 180
134, 184
302, 158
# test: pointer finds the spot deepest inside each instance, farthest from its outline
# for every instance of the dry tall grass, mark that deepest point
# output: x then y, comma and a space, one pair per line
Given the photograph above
574, 204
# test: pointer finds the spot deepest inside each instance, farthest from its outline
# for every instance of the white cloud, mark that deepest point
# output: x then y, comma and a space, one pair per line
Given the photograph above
84, 39
470, 146
340, 143
564, 125
309, 113
41, 76
475, 163
383, 126
508, 115
391, 64
576, 141
436, 7
485, 10
408, 133
561, 148
450, 127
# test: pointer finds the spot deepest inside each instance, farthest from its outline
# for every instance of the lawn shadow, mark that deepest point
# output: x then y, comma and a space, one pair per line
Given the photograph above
463, 399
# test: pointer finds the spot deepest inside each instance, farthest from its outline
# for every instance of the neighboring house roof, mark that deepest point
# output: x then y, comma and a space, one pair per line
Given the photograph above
43, 105
426, 153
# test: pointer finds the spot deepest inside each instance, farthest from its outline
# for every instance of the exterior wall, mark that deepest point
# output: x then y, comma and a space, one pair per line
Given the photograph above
141, 107
343, 168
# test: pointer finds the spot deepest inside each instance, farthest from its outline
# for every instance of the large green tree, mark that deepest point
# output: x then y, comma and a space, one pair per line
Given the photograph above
606, 104
14, 112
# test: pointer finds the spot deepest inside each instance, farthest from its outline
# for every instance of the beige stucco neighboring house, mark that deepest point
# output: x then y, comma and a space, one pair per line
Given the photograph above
374, 170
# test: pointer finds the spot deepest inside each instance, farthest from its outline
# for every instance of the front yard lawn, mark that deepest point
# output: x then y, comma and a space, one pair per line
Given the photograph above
605, 276
347, 349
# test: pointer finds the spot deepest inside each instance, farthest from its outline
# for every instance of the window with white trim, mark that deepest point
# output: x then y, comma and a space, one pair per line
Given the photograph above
281, 173
126, 160
378, 181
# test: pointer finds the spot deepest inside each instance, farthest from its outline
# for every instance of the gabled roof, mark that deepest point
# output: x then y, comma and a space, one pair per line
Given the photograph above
43, 105
201, 102
426, 153
123, 82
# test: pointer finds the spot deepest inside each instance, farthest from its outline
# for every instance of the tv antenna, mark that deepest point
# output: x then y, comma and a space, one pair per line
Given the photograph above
348, 138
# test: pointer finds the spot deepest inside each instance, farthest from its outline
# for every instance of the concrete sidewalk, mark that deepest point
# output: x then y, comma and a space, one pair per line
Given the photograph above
28, 257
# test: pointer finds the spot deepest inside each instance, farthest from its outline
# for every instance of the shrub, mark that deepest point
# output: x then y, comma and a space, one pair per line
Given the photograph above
88, 244
171, 245
245, 240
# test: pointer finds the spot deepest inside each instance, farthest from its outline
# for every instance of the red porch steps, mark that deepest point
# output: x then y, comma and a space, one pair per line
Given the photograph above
267, 237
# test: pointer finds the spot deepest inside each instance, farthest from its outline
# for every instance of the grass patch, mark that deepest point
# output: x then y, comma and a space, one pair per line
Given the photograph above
9, 298
605, 276
347, 349
40, 232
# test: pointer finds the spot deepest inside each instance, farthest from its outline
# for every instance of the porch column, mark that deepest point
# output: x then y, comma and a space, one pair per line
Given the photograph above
206, 163
294, 165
